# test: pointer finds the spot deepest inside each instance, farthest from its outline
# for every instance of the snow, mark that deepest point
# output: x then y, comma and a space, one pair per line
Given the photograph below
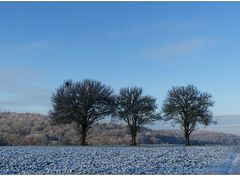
154, 159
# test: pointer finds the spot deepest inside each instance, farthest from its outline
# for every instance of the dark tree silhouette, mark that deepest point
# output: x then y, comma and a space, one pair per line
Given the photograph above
188, 107
135, 109
83, 103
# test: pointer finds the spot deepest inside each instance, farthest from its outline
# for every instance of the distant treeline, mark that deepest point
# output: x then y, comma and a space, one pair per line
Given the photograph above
36, 129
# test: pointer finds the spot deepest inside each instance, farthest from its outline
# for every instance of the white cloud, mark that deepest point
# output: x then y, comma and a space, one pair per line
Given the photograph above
137, 29
35, 45
179, 49
26, 46
156, 27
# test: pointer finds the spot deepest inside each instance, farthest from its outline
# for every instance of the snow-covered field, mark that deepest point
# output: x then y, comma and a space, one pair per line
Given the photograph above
120, 160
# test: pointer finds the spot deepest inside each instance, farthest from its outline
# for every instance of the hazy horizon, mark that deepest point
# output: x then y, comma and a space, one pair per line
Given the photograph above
225, 124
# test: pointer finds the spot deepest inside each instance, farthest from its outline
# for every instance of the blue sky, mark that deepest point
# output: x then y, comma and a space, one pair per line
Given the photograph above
154, 45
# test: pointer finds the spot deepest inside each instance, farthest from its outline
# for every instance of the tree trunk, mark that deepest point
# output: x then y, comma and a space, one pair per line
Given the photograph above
83, 137
134, 136
187, 139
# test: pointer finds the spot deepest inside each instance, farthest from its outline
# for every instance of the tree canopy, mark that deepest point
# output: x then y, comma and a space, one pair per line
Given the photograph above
135, 109
83, 103
188, 107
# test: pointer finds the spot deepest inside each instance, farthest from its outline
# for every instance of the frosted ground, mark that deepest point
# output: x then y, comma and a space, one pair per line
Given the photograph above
120, 160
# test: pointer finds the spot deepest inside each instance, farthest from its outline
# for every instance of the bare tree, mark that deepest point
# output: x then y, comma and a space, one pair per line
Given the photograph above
83, 103
136, 110
188, 107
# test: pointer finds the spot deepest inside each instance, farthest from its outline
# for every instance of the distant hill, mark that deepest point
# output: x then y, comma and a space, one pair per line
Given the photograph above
36, 129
